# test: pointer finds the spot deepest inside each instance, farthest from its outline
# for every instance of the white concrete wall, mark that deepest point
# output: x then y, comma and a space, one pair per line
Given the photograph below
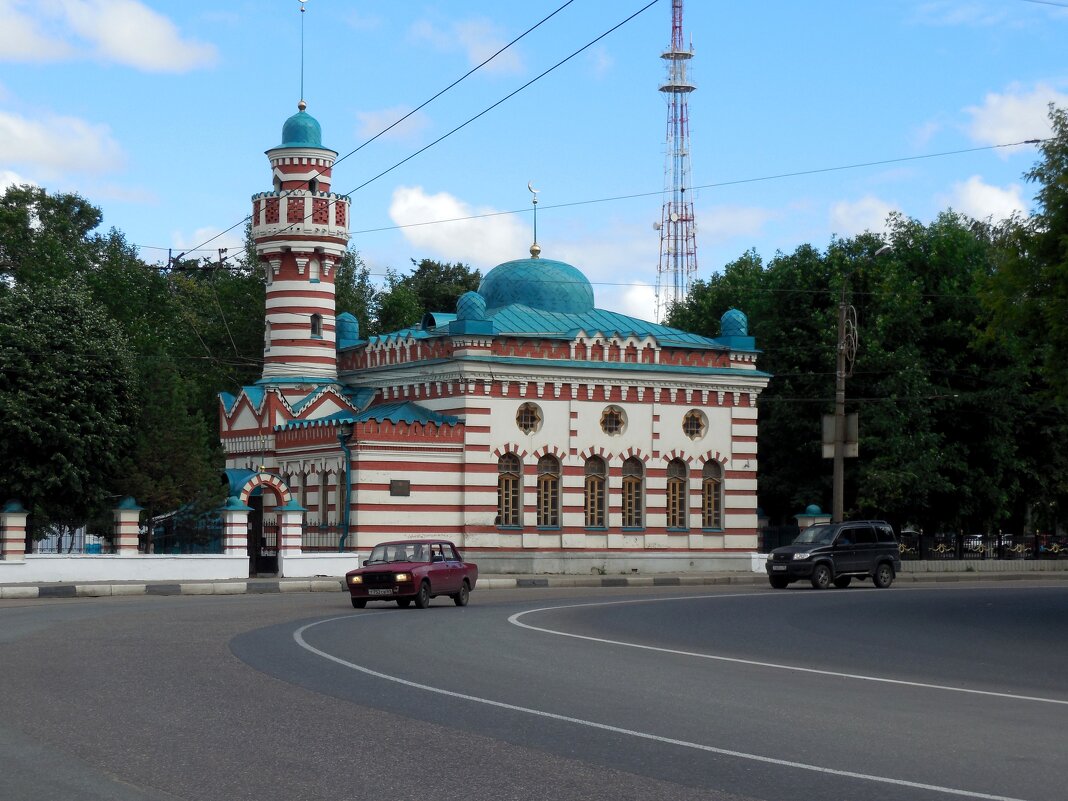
108, 567
312, 565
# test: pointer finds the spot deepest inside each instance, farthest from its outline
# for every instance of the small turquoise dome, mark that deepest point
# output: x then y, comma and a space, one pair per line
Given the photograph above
813, 510
347, 330
543, 284
302, 130
471, 306
733, 324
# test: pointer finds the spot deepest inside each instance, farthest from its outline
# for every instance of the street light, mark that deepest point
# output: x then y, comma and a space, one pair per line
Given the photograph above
344, 431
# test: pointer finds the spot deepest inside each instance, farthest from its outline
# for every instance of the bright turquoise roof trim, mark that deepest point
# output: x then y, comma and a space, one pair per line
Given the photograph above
398, 412
629, 367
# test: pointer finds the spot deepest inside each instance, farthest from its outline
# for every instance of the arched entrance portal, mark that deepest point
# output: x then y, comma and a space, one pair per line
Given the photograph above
252, 488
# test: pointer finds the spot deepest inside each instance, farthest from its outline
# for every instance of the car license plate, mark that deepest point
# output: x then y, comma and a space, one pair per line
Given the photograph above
778, 567
380, 592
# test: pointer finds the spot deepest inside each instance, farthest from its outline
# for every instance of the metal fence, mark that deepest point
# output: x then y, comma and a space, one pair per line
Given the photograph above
915, 545
180, 533
64, 540
325, 538
959, 545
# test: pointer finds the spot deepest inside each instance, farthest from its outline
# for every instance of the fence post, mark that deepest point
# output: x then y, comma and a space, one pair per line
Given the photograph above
13, 532
235, 527
127, 516
291, 528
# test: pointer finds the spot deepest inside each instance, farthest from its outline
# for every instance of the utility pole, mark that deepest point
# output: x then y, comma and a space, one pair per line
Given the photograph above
846, 427
847, 351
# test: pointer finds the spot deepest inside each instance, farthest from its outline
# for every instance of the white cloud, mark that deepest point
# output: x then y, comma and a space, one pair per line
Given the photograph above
601, 61
478, 39
959, 12
1015, 115
867, 214
982, 201
233, 241
482, 242
21, 37
618, 260
373, 122
130, 33
122, 31
9, 179
721, 223
58, 143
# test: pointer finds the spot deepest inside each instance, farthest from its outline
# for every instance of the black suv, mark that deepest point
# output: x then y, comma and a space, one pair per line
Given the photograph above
837, 553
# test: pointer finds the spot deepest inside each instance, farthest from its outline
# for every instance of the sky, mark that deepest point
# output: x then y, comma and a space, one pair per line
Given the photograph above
159, 113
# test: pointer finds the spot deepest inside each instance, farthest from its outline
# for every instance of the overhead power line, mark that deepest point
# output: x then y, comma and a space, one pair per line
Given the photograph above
421, 106
637, 195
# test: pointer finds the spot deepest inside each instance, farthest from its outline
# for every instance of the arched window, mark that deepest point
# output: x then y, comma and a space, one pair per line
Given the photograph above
267, 336
313, 185
712, 495
676, 494
633, 494
596, 475
317, 326
313, 271
324, 498
509, 472
548, 491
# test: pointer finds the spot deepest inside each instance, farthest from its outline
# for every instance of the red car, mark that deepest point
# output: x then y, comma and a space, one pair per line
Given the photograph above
412, 570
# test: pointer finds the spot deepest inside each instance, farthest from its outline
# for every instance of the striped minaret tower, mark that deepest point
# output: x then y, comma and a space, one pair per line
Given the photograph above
300, 230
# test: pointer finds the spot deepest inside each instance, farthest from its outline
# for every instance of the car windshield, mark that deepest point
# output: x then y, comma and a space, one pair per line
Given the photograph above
399, 552
815, 535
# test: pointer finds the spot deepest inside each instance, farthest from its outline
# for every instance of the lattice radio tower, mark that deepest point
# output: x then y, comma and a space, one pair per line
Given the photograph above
678, 244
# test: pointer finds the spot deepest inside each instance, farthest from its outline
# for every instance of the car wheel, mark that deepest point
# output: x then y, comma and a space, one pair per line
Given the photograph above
842, 582
422, 598
461, 598
884, 576
778, 582
358, 603
821, 577
404, 603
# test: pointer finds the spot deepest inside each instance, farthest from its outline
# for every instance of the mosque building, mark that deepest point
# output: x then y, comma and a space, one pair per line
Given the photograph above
533, 429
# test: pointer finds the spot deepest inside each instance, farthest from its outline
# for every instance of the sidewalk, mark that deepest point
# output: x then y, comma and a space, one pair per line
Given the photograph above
487, 582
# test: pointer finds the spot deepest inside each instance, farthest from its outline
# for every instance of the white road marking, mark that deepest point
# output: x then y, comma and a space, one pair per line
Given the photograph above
514, 620
298, 636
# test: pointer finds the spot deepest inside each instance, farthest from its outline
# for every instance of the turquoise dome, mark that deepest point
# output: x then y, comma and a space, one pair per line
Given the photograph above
302, 130
346, 330
543, 284
733, 324
471, 306
813, 510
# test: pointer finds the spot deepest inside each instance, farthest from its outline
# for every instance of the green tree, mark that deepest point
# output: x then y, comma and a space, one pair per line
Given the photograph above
398, 305
355, 293
438, 285
1028, 293
67, 402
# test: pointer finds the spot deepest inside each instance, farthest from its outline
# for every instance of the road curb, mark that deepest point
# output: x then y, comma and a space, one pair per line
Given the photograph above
289, 586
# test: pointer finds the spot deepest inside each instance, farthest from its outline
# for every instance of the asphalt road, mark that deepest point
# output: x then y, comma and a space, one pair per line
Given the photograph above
938, 692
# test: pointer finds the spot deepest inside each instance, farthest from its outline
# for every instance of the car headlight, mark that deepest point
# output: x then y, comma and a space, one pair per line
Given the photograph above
355, 579
402, 577
804, 555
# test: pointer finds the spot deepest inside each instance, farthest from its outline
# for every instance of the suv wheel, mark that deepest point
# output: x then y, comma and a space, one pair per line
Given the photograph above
884, 576
779, 582
821, 576
841, 582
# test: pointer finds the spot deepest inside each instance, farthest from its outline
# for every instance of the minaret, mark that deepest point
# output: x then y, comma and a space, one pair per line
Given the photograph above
300, 230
